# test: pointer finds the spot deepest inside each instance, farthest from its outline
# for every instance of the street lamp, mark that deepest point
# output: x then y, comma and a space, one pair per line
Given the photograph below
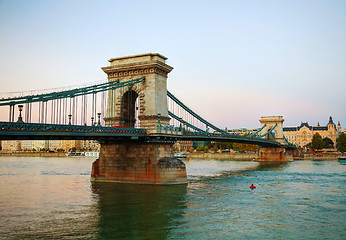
69, 119
158, 118
20, 119
99, 117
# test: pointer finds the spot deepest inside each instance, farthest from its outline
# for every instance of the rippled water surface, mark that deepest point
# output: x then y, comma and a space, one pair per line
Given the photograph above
52, 198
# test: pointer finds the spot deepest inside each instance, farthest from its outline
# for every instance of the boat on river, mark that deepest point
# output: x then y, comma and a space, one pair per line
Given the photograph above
180, 155
82, 154
72, 154
342, 160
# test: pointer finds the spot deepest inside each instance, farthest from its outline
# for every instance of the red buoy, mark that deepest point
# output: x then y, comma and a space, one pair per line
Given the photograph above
252, 186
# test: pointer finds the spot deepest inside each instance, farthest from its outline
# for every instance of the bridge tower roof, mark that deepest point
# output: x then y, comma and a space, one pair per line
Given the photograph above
138, 58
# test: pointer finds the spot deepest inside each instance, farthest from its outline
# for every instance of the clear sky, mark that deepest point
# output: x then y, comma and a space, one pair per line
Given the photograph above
234, 61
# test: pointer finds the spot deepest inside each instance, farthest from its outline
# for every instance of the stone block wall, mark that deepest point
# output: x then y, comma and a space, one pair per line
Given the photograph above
274, 154
137, 162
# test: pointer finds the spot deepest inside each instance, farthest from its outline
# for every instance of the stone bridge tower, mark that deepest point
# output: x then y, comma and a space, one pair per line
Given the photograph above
270, 122
141, 103
140, 161
276, 153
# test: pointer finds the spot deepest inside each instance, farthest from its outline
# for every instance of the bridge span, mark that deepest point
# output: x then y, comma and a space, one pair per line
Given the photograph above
36, 131
135, 119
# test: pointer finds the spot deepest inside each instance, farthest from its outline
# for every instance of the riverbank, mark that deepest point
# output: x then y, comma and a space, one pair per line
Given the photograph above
33, 154
223, 156
195, 155
251, 156
323, 156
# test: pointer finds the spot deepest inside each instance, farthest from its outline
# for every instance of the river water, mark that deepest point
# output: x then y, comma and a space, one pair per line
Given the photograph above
52, 198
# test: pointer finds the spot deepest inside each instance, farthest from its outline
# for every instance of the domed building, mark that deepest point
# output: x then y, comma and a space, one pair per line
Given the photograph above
302, 135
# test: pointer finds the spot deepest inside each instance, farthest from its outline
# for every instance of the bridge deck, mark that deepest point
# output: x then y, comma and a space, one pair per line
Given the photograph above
35, 131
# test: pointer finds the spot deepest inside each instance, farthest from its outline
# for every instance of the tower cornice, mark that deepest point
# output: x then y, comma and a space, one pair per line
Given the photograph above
138, 68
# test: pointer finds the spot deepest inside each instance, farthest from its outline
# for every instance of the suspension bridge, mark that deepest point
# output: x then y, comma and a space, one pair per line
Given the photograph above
64, 115
133, 108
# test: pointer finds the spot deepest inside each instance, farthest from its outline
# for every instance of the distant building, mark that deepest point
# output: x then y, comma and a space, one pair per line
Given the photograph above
11, 145
302, 135
26, 145
40, 144
54, 145
183, 145
242, 131
90, 145
67, 145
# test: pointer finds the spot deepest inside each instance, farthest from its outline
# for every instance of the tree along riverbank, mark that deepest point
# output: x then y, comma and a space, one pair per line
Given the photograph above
251, 156
223, 156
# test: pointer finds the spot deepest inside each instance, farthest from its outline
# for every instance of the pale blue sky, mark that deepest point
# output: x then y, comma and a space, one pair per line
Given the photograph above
234, 61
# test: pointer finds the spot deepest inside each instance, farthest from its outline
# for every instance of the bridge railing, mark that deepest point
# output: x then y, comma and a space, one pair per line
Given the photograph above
168, 129
15, 126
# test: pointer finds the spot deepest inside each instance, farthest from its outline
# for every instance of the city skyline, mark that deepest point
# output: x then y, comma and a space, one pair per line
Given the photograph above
233, 62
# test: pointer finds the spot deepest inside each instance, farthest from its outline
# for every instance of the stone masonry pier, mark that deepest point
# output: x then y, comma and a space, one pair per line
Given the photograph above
274, 154
141, 163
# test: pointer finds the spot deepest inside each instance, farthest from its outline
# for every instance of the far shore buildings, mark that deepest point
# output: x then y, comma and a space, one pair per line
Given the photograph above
302, 135
242, 131
49, 145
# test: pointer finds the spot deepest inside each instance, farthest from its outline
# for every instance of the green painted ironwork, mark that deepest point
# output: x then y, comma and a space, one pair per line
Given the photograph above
186, 123
35, 127
170, 95
268, 131
254, 134
52, 131
69, 93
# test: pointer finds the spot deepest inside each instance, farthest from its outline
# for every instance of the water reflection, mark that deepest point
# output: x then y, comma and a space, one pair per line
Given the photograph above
205, 169
129, 211
272, 165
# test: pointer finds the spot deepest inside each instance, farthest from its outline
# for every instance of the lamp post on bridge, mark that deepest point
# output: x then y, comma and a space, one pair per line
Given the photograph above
158, 129
69, 119
99, 117
122, 123
158, 118
20, 119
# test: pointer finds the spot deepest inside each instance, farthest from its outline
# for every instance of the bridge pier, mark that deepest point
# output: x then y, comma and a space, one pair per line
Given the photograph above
296, 153
274, 154
138, 162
